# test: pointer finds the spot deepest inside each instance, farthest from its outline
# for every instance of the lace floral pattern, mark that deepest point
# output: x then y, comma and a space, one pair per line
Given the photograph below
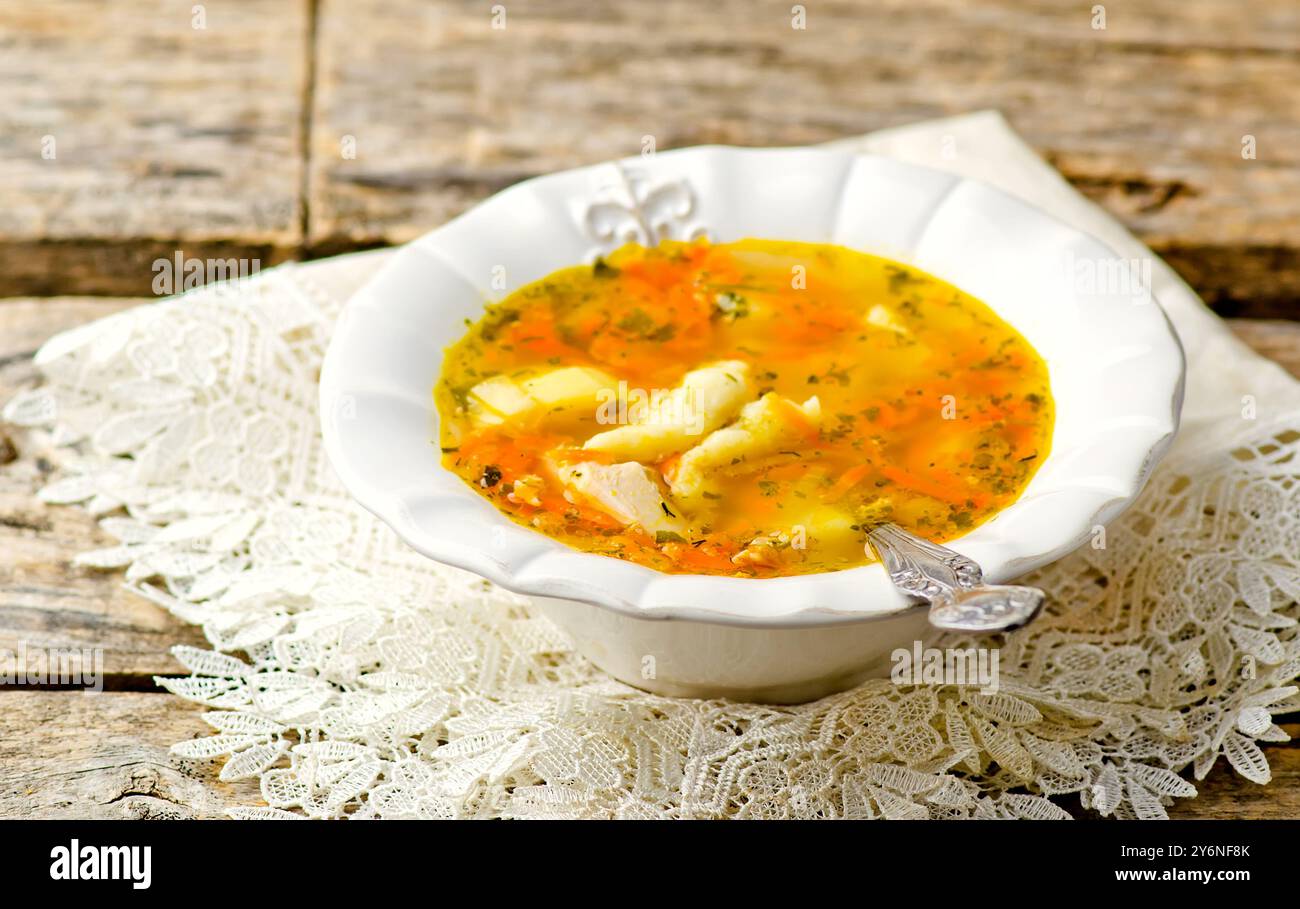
355, 678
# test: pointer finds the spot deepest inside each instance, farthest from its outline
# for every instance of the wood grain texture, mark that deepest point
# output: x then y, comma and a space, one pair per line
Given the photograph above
50, 768
231, 141
1223, 795
1272, 338
1146, 116
164, 136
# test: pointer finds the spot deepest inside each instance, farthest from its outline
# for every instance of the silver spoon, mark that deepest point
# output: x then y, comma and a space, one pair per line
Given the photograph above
953, 584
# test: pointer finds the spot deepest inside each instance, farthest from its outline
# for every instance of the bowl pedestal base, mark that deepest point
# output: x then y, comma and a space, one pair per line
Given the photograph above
757, 664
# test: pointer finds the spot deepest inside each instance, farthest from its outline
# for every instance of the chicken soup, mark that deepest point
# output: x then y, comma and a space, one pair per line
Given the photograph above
747, 408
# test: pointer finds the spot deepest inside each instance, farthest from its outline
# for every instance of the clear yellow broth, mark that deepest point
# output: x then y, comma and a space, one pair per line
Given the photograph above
934, 413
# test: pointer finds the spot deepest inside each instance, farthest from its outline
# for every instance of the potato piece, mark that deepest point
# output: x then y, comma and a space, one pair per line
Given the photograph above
569, 388
830, 532
628, 492
496, 400
764, 426
831, 527
501, 399
706, 398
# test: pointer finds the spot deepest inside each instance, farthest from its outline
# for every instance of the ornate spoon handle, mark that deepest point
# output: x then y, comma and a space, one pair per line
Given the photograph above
952, 583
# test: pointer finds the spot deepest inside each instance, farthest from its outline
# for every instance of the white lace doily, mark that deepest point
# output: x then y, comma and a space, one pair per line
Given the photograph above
353, 677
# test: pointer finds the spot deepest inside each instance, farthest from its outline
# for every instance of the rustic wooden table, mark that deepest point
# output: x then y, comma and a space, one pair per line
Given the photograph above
278, 130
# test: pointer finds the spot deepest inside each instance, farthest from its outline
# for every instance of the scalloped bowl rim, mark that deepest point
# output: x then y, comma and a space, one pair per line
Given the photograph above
447, 521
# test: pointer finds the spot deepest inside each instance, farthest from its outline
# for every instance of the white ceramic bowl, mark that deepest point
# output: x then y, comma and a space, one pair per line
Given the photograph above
1115, 362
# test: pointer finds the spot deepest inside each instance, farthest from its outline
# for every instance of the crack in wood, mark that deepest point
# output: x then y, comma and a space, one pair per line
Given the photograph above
307, 118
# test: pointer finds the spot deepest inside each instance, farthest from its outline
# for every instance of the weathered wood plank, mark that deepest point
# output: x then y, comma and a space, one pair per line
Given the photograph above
1272, 338
50, 768
47, 602
169, 137
128, 133
422, 108
1223, 795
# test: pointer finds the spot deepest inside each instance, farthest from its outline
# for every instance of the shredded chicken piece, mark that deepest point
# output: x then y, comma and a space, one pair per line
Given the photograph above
628, 492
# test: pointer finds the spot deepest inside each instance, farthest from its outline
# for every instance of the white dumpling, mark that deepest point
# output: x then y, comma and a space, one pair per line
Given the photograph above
707, 398
764, 426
